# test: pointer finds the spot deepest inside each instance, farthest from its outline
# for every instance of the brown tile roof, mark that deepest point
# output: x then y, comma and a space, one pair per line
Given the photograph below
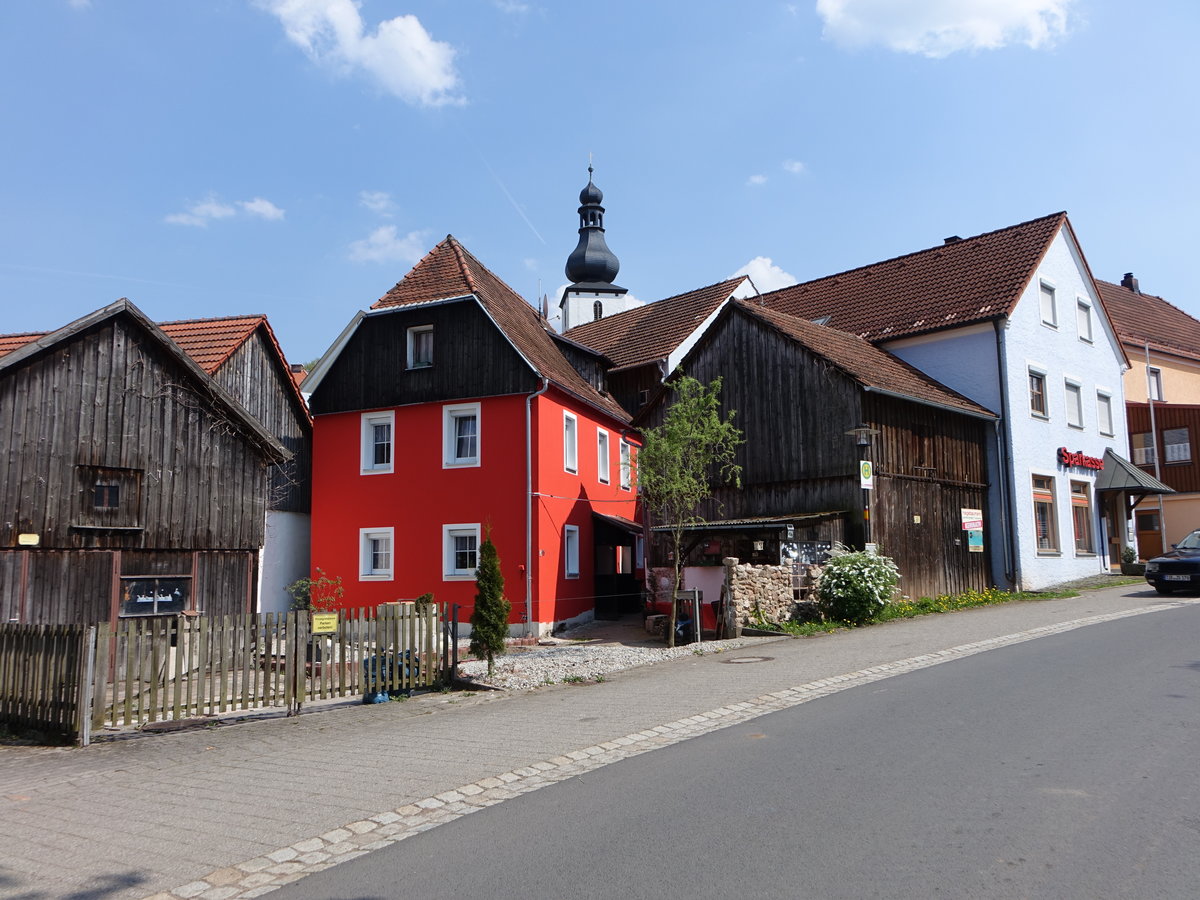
973, 279
864, 362
1144, 318
11, 342
212, 341
449, 271
651, 332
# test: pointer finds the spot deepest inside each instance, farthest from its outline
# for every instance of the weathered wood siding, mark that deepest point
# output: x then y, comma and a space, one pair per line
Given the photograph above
1183, 476
629, 386
471, 358
254, 376
68, 586
111, 399
795, 408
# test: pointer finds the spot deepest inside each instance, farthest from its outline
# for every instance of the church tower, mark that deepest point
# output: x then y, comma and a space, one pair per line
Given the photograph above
591, 267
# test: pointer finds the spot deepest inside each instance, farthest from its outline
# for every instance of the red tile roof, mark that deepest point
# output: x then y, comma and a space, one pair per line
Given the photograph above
1144, 318
11, 342
449, 271
864, 362
651, 332
973, 279
212, 341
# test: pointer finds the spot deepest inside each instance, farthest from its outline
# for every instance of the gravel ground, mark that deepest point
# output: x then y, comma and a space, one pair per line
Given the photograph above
576, 657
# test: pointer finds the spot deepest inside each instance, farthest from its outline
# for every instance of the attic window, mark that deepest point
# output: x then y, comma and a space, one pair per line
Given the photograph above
420, 347
107, 497
822, 320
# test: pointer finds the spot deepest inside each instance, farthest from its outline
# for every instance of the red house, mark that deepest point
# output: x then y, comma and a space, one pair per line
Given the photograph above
450, 410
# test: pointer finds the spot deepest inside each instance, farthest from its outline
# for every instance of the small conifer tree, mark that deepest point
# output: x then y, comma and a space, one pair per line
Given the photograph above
489, 620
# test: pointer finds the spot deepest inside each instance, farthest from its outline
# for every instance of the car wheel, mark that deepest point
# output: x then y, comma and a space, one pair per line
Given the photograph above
1164, 589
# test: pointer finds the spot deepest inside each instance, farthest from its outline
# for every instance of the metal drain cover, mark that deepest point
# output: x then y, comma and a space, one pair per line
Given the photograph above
740, 660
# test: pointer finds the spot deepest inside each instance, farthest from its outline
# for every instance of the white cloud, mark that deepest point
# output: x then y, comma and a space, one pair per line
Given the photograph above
756, 180
379, 202
79, 4
399, 55
765, 274
385, 245
512, 7
264, 209
210, 209
794, 166
937, 28
530, 263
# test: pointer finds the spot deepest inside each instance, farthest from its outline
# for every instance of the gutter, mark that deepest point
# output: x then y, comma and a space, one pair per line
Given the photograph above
1012, 567
529, 504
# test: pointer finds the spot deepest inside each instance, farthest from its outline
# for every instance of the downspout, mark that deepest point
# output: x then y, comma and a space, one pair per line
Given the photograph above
1011, 555
529, 504
1162, 519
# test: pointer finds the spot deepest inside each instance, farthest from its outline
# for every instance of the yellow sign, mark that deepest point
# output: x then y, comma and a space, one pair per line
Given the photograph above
28, 540
324, 623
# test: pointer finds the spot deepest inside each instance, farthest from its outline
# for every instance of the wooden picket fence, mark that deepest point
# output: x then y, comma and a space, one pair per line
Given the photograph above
76, 679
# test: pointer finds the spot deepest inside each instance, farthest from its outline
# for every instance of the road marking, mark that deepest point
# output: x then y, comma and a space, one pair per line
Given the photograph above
263, 874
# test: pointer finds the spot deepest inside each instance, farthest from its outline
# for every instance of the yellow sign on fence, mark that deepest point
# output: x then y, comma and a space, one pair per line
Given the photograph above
324, 623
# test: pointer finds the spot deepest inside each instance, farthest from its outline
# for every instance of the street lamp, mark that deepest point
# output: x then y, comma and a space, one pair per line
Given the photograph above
862, 435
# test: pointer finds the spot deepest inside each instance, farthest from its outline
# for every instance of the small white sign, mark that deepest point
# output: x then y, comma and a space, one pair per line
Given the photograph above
866, 475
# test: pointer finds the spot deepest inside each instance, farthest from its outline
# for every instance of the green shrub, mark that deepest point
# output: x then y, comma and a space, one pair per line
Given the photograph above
855, 586
489, 621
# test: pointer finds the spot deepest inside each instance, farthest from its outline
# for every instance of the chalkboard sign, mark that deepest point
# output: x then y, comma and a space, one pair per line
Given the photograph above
804, 553
143, 595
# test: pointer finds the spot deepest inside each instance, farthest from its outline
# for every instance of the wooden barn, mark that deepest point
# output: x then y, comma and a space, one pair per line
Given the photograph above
131, 481
799, 390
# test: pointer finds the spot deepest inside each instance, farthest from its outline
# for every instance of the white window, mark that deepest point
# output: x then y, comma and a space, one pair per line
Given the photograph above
602, 460
460, 551
626, 466
1154, 383
420, 347
377, 442
1081, 516
460, 435
570, 443
1083, 320
1177, 447
1045, 522
1037, 394
571, 551
1049, 310
1074, 405
375, 554
1104, 413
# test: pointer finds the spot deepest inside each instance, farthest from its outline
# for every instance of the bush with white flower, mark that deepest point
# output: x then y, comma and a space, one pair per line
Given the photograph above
854, 585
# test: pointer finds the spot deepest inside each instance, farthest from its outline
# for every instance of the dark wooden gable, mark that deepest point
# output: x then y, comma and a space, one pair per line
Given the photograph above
255, 376
471, 358
108, 439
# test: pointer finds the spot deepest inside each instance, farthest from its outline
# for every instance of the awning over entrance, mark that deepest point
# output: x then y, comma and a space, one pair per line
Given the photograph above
1120, 475
751, 522
620, 522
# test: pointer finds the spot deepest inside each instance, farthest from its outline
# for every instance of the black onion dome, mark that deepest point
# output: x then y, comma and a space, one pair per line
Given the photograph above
591, 262
591, 194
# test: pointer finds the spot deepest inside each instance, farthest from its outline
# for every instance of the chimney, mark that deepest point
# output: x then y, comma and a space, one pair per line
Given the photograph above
297, 368
953, 239
1130, 282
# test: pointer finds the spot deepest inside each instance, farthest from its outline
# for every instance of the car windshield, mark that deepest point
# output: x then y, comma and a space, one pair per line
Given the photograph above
1191, 542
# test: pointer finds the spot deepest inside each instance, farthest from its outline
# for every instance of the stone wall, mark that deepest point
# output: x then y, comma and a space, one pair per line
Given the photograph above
763, 593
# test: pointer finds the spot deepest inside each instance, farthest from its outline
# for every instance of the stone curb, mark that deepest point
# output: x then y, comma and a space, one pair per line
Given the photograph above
263, 874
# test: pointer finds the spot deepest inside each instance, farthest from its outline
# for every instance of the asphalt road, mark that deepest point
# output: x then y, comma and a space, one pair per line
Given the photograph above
1064, 767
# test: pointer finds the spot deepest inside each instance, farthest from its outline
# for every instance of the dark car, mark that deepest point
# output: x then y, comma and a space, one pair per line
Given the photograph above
1177, 570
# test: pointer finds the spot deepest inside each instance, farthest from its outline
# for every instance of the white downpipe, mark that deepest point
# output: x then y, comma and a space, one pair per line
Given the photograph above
529, 504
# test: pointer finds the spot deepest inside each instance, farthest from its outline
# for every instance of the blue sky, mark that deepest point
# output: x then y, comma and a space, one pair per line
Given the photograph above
295, 157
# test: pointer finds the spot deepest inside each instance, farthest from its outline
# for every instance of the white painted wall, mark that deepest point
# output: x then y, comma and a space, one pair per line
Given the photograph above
966, 360
576, 306
285, 558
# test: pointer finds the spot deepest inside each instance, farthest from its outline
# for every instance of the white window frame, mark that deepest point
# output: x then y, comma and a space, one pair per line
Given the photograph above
1052, 531
1088, 536
1145, 454
603, 458
1047, 298
1104, 414
1083, 319
411, 342
571, 551
626, 466
366, 553
1171, 451
450, 416
1044, 413
570, 443
1073, 397
368, 466
451, 572
1154, 385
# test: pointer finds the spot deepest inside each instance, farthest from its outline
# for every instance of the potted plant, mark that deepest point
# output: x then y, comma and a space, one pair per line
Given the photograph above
1129, 563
